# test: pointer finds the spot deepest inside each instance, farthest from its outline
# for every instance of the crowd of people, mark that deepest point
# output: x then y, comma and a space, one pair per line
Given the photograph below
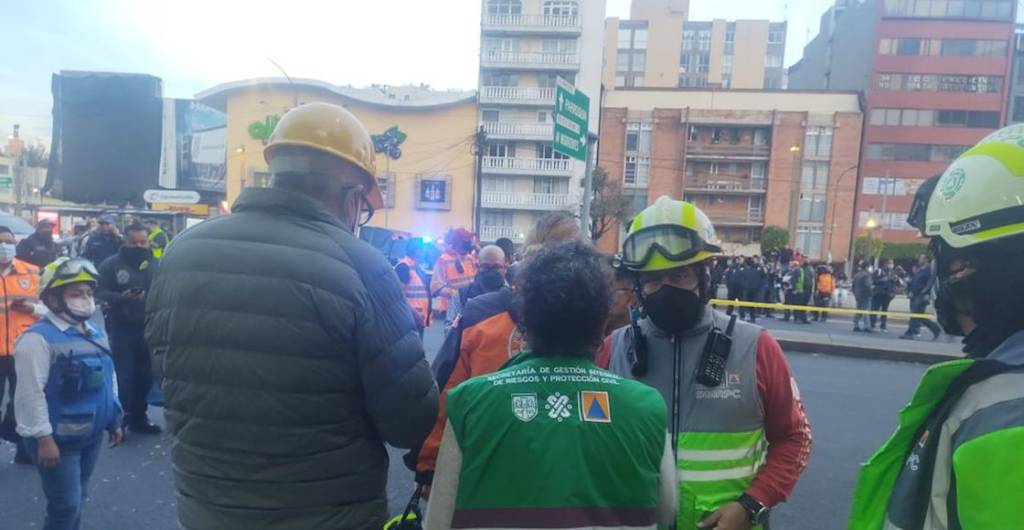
573, 389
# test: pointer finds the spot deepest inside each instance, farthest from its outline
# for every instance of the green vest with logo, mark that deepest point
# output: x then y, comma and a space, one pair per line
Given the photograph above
557, 441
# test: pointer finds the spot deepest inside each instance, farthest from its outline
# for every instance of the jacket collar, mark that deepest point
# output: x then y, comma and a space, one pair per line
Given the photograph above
64, 325
284, 202
1010, 351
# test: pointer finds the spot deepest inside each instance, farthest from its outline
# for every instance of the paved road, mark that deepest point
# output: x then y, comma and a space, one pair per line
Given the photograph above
852, 405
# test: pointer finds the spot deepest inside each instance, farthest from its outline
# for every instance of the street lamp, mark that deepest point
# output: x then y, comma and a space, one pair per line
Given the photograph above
835, 200
871, 225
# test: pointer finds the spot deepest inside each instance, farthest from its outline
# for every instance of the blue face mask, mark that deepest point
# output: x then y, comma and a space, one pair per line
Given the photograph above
7, 252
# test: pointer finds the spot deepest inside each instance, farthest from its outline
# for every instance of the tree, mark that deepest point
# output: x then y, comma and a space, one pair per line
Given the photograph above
36, 155
867, 247
609, 205
903, 251
773, 238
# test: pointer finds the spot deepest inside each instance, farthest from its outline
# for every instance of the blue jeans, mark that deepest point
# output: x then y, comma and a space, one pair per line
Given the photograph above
864, 304
65, 484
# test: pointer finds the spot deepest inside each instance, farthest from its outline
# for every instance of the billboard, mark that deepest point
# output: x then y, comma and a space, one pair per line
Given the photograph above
194, 153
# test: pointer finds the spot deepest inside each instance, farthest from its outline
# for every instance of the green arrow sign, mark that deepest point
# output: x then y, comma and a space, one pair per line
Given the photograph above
6, 183
571, 116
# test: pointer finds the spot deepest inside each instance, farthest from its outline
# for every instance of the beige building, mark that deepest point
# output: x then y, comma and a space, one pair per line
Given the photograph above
526, 45
659, 47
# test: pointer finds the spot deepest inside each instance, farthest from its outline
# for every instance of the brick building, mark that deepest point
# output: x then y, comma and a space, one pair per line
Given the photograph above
936, 75
748, 158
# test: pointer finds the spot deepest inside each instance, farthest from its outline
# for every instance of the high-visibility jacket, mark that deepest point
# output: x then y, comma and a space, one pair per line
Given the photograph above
21, 283
158, 240
604, 434
451, 273
826, 284
953, 462
415, 292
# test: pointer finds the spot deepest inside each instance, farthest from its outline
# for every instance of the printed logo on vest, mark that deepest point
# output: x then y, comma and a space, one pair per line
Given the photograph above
24, 283
524, 406
595, 407
123, 277
558, 407
724, 391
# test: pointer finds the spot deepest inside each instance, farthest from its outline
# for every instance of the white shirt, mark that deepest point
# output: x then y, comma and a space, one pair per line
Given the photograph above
32, 360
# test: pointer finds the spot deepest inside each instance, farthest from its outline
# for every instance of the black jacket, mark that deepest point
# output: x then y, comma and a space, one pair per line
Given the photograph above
100, 246
37, 250
289, 357
118, 276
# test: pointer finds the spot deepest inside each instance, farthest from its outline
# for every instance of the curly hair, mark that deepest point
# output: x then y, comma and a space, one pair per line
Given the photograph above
564, 298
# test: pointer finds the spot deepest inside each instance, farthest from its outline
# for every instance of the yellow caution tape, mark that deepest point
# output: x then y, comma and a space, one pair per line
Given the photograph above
398, 519
836, 310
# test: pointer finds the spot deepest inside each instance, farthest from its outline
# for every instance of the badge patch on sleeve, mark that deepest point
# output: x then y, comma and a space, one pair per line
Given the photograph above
595, 407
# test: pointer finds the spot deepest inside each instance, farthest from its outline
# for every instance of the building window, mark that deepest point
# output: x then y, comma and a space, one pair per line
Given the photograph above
496, 218
818, 142
703, 64
542, 117
773, 61
891, 186
560, 46
934, 118
969, 9
689, 37
726, 81
812, 208
814, 176
620, 81
915, 152
639, 62
625, 38
908, 47
684, 64
730, 36
776, 37
550, 185
1018, 109
504, 7
704, 40
386, 182
761, 136
808, 240
727, 65
499, 184
772, 83
640, 39
561, 8
940, 83
501, 149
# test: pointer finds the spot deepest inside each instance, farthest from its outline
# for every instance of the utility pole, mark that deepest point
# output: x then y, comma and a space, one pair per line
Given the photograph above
588, 183
794, 198
480, 146
881, 225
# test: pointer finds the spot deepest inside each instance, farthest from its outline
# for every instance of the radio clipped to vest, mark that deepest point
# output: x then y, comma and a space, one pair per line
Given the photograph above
78, 376
711, 370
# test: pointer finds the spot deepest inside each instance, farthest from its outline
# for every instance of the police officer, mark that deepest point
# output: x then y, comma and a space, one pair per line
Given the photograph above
66, 397
158, 239
124, 281
955, 458
550, 408
104, 242
739, 430
39, 249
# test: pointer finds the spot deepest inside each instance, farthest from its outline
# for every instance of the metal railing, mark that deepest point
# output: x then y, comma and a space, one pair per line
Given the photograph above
511, 130
727, 149
515, 95
530, 59
544, 23
534, 166
533, 201
492, 233
752, 217
723, 183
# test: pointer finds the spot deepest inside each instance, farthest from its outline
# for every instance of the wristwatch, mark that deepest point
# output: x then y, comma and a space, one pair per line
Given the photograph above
757, 512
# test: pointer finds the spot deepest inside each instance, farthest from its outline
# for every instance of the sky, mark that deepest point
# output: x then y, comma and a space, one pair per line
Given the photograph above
196, 44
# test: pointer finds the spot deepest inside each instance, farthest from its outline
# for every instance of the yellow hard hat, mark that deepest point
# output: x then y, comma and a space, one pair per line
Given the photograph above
333, 130
66, 271
667, 235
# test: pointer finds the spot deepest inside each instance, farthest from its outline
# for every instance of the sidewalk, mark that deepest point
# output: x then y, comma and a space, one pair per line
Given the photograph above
887, 348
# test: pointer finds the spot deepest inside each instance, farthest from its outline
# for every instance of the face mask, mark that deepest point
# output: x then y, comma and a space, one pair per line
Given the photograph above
491, 280
81, 309
45, 235
7, 252
672, 309
135, 255
464, 247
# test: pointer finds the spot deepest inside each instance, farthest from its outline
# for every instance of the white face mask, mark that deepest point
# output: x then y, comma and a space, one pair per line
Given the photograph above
7, 252
81, 309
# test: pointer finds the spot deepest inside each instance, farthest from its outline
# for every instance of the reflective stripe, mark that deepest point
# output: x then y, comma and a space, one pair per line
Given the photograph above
689, 216
686, 475
1010, 155
711, 455
651, 527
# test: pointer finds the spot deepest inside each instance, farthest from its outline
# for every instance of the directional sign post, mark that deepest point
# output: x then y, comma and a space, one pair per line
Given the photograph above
572, 112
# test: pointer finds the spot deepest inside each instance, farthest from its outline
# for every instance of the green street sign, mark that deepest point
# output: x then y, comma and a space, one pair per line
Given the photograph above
6, 183
571, 116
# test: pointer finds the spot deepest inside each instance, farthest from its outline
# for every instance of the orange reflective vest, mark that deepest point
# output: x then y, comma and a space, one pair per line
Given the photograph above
826, 284
448, 279
22, 283
416, 294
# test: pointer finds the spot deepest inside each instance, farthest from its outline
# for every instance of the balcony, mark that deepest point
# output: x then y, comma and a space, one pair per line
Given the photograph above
494, 233
538, 167
719, 184
530, 60
525, 201
497, 130
737, 151
532, 24
753, 218
514, 95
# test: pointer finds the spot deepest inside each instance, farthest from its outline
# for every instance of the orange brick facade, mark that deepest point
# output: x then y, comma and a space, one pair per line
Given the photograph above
709, 158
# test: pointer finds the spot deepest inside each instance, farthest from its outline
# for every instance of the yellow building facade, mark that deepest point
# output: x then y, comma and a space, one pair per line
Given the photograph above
428, 182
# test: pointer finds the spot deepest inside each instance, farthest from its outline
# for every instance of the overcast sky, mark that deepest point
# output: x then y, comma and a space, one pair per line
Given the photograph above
195, 44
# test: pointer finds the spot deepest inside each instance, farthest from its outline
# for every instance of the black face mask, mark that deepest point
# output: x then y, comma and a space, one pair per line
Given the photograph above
490, 279
464, 247
672, 309
945, 307
134, 256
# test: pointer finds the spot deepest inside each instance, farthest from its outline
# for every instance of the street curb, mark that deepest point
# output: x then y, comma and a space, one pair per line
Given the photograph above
863, 352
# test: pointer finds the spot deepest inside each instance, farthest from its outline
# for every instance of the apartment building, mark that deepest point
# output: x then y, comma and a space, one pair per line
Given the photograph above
937, 77
1015, 114
659, 47
525, 46
749, 159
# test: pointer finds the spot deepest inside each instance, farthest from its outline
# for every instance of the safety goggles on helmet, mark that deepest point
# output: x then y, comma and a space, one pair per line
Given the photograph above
674, 242
67, 271
919, 208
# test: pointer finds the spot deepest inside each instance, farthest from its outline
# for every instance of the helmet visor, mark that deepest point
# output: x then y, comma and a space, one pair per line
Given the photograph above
919, 208
674, 242
74, 267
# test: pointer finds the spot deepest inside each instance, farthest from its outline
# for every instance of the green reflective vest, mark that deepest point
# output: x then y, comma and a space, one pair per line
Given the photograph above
556, 440
158, 242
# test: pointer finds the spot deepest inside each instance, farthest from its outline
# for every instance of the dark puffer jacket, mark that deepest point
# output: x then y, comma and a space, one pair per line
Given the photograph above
288, 357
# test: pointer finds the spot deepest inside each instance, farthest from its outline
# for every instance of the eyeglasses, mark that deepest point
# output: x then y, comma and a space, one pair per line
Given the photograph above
366, 211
